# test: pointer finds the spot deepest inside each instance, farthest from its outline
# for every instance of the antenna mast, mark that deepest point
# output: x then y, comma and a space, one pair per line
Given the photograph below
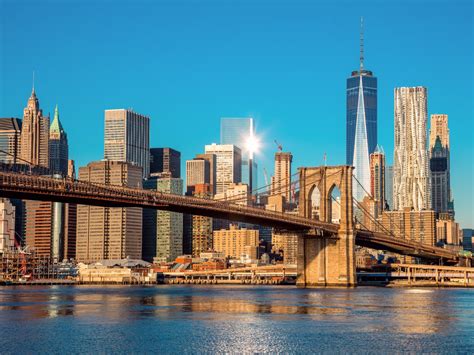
361, 44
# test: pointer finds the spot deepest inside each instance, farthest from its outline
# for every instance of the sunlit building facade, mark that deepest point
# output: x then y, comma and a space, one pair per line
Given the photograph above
411, 176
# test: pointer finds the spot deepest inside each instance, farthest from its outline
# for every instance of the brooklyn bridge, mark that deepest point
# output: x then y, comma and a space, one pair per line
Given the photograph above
326, 251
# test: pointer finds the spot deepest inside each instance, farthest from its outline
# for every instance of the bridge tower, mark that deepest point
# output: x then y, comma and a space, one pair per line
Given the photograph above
329, 260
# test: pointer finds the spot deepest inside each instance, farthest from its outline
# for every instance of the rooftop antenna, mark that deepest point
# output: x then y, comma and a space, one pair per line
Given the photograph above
361, 44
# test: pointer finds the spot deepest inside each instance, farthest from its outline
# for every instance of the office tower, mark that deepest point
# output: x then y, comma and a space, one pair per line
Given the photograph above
201, 225
419, 226
163, 230
127, 138
441, 199
165, 160
109, 232
70, 231
439, 128
35, 134
58, 146
197, 172
361, 123
235, 242
241, 133
7, 226
10, 133
228, 164
281, 180
38, 226
71, 170
448, 231
411, 184
211, 158
389, 186
439, 177
377, 179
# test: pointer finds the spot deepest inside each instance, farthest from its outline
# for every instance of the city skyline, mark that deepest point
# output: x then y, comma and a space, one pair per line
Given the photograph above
306, 148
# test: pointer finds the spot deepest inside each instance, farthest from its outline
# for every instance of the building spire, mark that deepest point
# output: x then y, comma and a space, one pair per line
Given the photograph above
361, 44
33, 90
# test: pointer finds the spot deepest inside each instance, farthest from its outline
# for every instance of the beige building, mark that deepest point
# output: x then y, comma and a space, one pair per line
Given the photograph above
106, 232
127, 138
201, 225
235, 193
281, 180
235, 242
35, 134
197, 172
439, 128
418, 226
448, 231
287, 244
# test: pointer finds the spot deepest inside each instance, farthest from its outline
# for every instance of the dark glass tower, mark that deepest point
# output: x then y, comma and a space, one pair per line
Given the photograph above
361, 122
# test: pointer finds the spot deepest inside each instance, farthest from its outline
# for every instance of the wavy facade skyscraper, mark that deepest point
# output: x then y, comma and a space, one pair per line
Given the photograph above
411, 184
361, 124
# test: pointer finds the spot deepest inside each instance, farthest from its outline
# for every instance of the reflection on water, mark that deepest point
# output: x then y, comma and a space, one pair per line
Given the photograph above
236, 318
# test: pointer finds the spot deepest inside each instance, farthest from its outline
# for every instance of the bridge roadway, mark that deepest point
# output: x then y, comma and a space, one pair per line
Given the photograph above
32, 187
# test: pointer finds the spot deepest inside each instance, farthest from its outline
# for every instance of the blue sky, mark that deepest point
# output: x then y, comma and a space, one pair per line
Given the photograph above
188, 63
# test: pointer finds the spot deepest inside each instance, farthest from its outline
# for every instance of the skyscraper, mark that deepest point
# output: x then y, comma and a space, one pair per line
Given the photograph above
197, 172
439, 176
228, 164
165, 160
10, 133
58, 146
361, 123
127, 138
281, 180
377, 179
441, 198
389, 185
163, 230
109, 232
241, 132
411, 184
35, 134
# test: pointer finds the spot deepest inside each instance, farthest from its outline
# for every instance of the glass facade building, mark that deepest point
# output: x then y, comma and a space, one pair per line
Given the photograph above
237, 131
361, 126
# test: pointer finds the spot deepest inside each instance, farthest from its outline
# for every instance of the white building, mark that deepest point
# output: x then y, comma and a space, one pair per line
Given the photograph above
228, 164
411, 184
7, 226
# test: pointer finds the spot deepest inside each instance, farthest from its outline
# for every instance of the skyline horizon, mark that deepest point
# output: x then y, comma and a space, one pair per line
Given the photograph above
211, 90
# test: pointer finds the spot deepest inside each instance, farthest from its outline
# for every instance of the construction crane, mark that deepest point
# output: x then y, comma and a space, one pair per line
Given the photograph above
280, 147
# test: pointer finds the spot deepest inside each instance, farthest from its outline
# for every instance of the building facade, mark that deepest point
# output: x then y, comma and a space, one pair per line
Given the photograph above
419, 226
411, 177
58, 146
127, 138
241, 133
287, 245
10, 137
281, 180
163, 230
236, 193
198, 171
165, 160
235, 242
377, 179
228, 164
7, 226
34, 134
109, 232
389, 186
441, 199
201, 225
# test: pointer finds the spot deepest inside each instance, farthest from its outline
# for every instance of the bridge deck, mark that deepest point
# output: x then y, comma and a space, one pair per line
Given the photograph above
31, 187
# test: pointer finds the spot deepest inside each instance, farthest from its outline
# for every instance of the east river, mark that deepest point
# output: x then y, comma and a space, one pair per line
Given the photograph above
234, 319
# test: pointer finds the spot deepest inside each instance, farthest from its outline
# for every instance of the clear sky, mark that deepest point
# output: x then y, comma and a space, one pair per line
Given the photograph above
285, 63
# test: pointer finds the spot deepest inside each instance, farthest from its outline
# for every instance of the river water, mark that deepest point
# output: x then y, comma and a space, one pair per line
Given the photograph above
197, 319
